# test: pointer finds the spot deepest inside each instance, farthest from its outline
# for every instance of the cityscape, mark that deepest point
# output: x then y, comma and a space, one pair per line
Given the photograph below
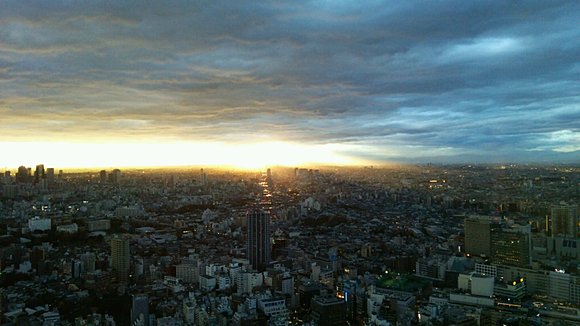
401, 245
280, 163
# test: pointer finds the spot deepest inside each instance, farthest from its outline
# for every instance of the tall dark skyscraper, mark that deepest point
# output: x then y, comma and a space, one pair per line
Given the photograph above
258, 238
120, 257
39, 173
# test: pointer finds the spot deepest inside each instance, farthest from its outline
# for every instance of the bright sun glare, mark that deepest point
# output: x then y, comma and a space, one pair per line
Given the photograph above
246, 156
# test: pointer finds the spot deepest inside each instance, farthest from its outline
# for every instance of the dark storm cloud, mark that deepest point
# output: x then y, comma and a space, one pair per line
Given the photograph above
394, 80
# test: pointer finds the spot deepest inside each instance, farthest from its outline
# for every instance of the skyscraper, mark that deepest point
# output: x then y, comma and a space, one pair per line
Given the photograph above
258, 238
120, 257
478, 235
564, 220
22, 175
115, 176
202, 177
39, 173
50, 175
103, 176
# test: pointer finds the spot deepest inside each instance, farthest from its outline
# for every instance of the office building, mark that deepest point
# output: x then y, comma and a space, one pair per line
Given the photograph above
564, 220
259, 246
511, 247
478, 236
328, 311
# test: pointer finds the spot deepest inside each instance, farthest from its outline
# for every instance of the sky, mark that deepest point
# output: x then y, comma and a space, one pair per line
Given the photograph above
288, 82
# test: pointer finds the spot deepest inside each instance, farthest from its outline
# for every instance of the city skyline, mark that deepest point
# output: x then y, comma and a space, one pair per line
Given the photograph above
283, 83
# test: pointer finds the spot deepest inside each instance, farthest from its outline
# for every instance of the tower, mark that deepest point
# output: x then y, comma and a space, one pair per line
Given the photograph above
258, 238
202, 177
120, 257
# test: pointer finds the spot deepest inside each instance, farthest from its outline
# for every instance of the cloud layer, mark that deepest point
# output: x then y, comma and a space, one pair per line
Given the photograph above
407, 81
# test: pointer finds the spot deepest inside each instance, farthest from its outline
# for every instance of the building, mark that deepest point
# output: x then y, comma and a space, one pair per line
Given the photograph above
39, 173
202, 177
187, 273
259, 246
103, 176
115, 176
50, 175
68, 228
188, 309
485, 269
478, 236
564, 247
275, 309
246, 281
432, 268
88, 260
557, 285
476, 284
120, 258
23, 175
512, 291
328, 311
39, 224
207, 283
140, 310
98, 225
564, 220
511, 247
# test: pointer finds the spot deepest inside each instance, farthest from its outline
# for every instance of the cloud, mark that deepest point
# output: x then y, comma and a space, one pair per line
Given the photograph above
388, 80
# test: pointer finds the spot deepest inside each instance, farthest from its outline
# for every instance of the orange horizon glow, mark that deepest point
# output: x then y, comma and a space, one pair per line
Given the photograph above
140, 155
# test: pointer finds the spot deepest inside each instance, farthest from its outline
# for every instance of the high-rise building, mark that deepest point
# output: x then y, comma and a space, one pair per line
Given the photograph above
478, 235
202, 177
115, 176
39, 173
23, 174
564, 220
50, 175
89, 260
269, 180
103, 176
259, 246
511, 247
120, 257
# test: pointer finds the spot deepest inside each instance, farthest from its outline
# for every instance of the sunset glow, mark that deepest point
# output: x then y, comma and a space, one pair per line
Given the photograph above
245, 156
